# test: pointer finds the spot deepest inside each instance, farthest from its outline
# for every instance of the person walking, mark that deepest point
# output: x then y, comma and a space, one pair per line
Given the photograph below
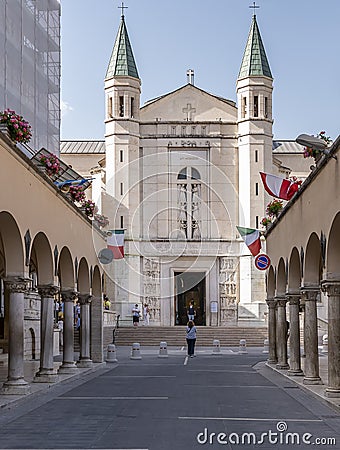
135, 315
191, 338
191, 311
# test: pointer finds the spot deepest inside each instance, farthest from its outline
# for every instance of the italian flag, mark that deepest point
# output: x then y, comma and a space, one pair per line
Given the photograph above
251, 238
115, 242
279, 187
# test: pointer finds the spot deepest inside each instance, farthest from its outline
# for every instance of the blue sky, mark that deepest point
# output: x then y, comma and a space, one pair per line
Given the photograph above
301, 39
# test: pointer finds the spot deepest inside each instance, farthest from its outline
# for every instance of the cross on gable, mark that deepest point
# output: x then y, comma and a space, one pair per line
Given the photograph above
188, 110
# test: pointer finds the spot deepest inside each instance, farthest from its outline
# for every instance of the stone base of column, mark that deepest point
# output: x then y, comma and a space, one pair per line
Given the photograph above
272, 361
84, 363
46, 376
295, 372
16, 387
68, 368
282, 366
332, 392
312, 380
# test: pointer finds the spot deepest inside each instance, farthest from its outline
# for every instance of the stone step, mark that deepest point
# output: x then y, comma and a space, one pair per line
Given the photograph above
205, 335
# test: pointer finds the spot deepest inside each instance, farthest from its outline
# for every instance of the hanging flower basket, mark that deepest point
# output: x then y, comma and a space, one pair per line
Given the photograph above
266, 221
274, 208
316, 154
101, 220
51, 164
88, 206
77, 194
19, 129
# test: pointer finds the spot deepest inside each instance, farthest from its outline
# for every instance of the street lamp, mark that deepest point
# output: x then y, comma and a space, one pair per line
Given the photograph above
314, 143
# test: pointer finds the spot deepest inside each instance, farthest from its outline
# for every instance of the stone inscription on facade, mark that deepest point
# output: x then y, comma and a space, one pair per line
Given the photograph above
228, 290
152, 288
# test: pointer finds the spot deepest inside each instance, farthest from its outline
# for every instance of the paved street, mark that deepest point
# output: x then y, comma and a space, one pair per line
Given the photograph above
174, 403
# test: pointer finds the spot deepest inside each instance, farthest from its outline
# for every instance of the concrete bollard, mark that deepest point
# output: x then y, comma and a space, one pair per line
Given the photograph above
135, 351
243, 346
216, 347
265, 346
324, 343
163, 350
111, 354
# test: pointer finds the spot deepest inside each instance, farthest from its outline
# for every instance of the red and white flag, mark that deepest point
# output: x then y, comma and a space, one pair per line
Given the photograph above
279, 187
251, 237
115, 242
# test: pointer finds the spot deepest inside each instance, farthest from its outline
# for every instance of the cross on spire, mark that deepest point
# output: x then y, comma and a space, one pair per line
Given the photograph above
122, 8
254, 6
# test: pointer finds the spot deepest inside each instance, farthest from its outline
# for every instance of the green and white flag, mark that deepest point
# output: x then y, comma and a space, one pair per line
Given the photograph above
251, 237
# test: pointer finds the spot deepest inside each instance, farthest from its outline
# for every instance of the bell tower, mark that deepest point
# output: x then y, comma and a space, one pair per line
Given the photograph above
254, 97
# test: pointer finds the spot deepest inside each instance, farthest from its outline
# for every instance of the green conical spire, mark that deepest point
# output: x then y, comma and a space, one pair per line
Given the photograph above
254, 60
122, 62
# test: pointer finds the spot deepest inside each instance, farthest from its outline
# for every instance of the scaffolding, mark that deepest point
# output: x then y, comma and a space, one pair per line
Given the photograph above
30, 73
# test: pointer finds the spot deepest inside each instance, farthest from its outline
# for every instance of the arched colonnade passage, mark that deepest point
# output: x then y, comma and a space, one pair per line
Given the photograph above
303, 280
29, 268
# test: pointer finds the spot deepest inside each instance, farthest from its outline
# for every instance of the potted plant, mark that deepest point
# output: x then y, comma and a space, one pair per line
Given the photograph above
274, 207
266, 221
18, 128
89, 207
77, 194
101, 220
51, 164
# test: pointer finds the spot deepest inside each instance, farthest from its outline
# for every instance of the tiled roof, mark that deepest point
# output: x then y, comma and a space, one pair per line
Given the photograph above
122, 62
84, 147
254, 60
285, 146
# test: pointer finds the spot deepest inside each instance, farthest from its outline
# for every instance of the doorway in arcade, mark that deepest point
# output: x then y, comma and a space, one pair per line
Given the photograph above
189, 287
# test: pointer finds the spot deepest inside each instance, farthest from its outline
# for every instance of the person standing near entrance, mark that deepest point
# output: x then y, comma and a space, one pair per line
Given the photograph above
191, 311
191, 338
135, 315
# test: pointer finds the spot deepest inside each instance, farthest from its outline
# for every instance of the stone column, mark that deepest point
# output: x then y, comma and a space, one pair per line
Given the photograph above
84, 359
272, 357
294, 335
46, 373
311, 337
281, 334
15, 384
96, 320
333, 292
68, 365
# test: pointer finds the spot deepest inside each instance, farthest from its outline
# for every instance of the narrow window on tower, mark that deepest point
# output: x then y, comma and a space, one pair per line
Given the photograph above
266, 107
256, 188
121, 189
256, 156
256, 221
244, 107
256, 106
109, 107
121, 106
121, 155
121, 221
132, 107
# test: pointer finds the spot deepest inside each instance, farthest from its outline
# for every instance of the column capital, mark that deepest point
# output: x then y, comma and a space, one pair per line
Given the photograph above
271, 302
69, 295
310, 293
332, 288
293, 298
281, 301
48, 290
17, 284
84, 298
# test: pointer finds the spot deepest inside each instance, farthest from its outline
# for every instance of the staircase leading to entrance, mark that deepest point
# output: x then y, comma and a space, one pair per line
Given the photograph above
175, 336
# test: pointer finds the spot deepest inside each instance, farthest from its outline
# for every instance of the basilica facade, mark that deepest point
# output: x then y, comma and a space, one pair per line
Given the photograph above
177, 174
